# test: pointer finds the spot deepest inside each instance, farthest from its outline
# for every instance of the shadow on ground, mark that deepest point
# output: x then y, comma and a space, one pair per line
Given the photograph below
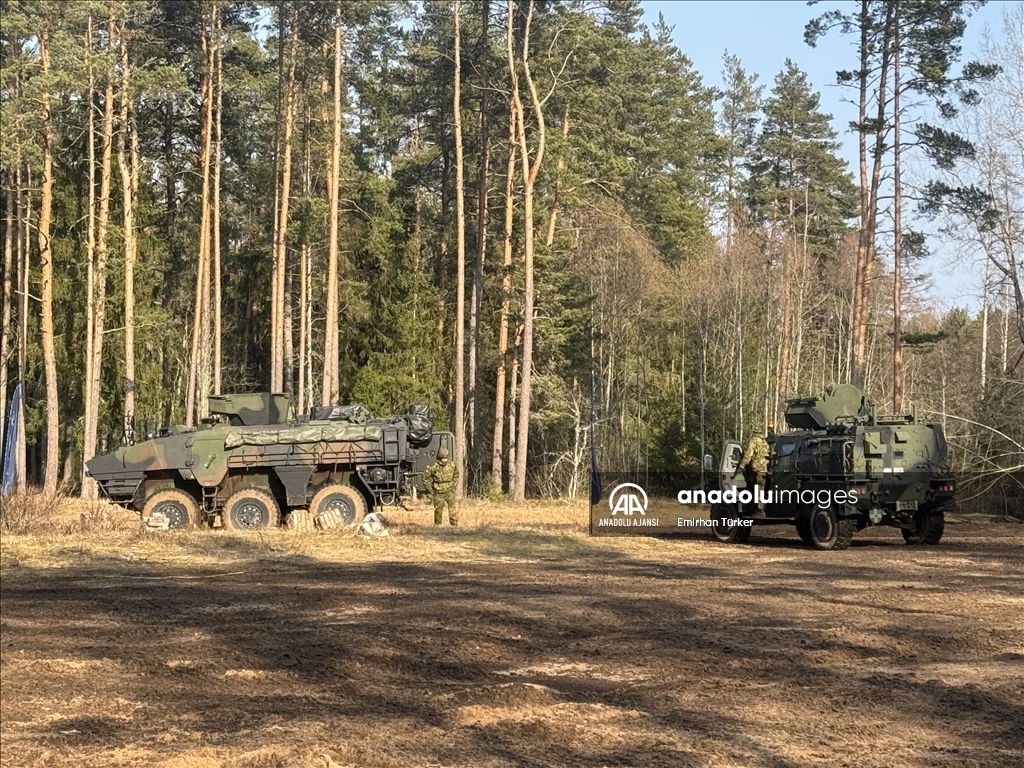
536, 649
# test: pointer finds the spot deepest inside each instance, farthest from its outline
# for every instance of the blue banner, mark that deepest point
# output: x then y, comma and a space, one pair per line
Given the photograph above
11, 457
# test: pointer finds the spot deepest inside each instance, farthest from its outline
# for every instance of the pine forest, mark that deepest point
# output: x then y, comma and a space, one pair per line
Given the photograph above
535, 216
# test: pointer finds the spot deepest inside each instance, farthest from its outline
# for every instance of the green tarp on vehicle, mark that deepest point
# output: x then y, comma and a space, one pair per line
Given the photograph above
328, 433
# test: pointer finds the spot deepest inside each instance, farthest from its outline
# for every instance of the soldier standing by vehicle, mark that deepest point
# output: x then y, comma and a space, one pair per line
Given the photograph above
754, 464
440, 479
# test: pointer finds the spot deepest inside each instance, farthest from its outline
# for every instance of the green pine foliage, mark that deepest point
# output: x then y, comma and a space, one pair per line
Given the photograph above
673, 197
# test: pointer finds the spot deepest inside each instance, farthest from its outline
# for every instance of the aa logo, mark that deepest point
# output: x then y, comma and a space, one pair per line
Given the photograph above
623, 499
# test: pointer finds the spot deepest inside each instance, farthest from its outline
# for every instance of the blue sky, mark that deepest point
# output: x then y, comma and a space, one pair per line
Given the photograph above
763, 35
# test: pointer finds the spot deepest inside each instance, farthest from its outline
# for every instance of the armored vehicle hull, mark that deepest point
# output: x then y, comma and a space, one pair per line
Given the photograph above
250, 467
843, 469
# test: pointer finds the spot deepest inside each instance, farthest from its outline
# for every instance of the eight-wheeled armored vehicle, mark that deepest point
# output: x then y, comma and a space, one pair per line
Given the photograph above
840, 470
249, 464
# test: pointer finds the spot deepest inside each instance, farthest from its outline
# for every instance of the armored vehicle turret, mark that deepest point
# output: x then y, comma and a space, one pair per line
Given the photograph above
839, 470
250, 465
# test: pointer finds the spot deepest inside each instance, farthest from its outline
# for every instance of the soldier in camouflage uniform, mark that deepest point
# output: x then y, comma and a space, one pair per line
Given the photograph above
440, 479
754, 464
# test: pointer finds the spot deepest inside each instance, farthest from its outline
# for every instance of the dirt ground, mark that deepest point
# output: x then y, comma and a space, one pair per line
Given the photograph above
510, 643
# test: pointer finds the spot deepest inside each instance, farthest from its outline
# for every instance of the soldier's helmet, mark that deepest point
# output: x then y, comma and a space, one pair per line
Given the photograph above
443, 453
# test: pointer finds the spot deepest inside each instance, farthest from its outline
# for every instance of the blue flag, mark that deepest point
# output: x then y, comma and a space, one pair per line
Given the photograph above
11, 476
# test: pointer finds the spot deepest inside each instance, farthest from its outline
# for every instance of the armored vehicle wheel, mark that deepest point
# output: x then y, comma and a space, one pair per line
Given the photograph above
180, 509
803, 529
828, 531
928, 528
250, 509
344, 500
738, 534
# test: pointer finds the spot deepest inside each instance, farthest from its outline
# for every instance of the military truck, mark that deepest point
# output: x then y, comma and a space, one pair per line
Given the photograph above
840, 470
250, 466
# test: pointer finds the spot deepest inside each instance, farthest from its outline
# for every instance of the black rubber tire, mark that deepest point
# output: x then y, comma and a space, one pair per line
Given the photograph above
928, 528
729, 534
345, 500
803, 529
250, 509
828, 531
936, 527
181, 509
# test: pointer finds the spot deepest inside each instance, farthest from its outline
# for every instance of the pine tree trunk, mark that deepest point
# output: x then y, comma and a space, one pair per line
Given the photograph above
280, 244
330, 390
506, 296
126, 168
46, 267
100, 274
869, 190
5, 314
275, 299
857, 341
984, 329
23, 214
1006, 327
289, 334
195, 405
481, 233
530, 172
897, 250
460, 266
217, 278
89, 489
785, 333
513, 396
206, 225
303, 326
556, 198
304, 381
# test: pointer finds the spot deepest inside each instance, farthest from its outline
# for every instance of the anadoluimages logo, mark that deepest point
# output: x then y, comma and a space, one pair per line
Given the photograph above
626, 501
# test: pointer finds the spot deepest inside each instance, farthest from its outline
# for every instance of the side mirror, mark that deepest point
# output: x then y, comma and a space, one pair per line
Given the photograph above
709, 462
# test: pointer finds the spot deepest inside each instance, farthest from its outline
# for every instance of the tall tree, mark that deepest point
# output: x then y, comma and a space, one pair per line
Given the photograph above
482, 194
46, 265
5, 313
218, 79
127, 144
277, 361
460, 263
800, 191
95, 369
506, 301
737, 122
531, 166
88, 484
331, 382
905, 47
873, 25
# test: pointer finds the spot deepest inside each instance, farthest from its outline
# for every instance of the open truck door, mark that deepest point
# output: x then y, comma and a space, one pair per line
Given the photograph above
732, 455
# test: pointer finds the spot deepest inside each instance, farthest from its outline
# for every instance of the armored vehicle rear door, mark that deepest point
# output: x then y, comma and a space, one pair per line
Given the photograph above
421, 458
732, 455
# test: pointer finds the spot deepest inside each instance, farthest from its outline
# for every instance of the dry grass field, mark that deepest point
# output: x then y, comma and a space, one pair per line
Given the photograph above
513, 641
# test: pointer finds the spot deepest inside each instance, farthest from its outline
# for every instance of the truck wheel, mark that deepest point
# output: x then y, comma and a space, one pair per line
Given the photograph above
928, 528
729, 534
344, 500
250, 509
828, 531
180, 509
803, 529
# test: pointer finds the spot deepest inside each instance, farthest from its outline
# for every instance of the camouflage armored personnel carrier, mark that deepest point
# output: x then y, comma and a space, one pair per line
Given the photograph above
841, 470
249, 465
